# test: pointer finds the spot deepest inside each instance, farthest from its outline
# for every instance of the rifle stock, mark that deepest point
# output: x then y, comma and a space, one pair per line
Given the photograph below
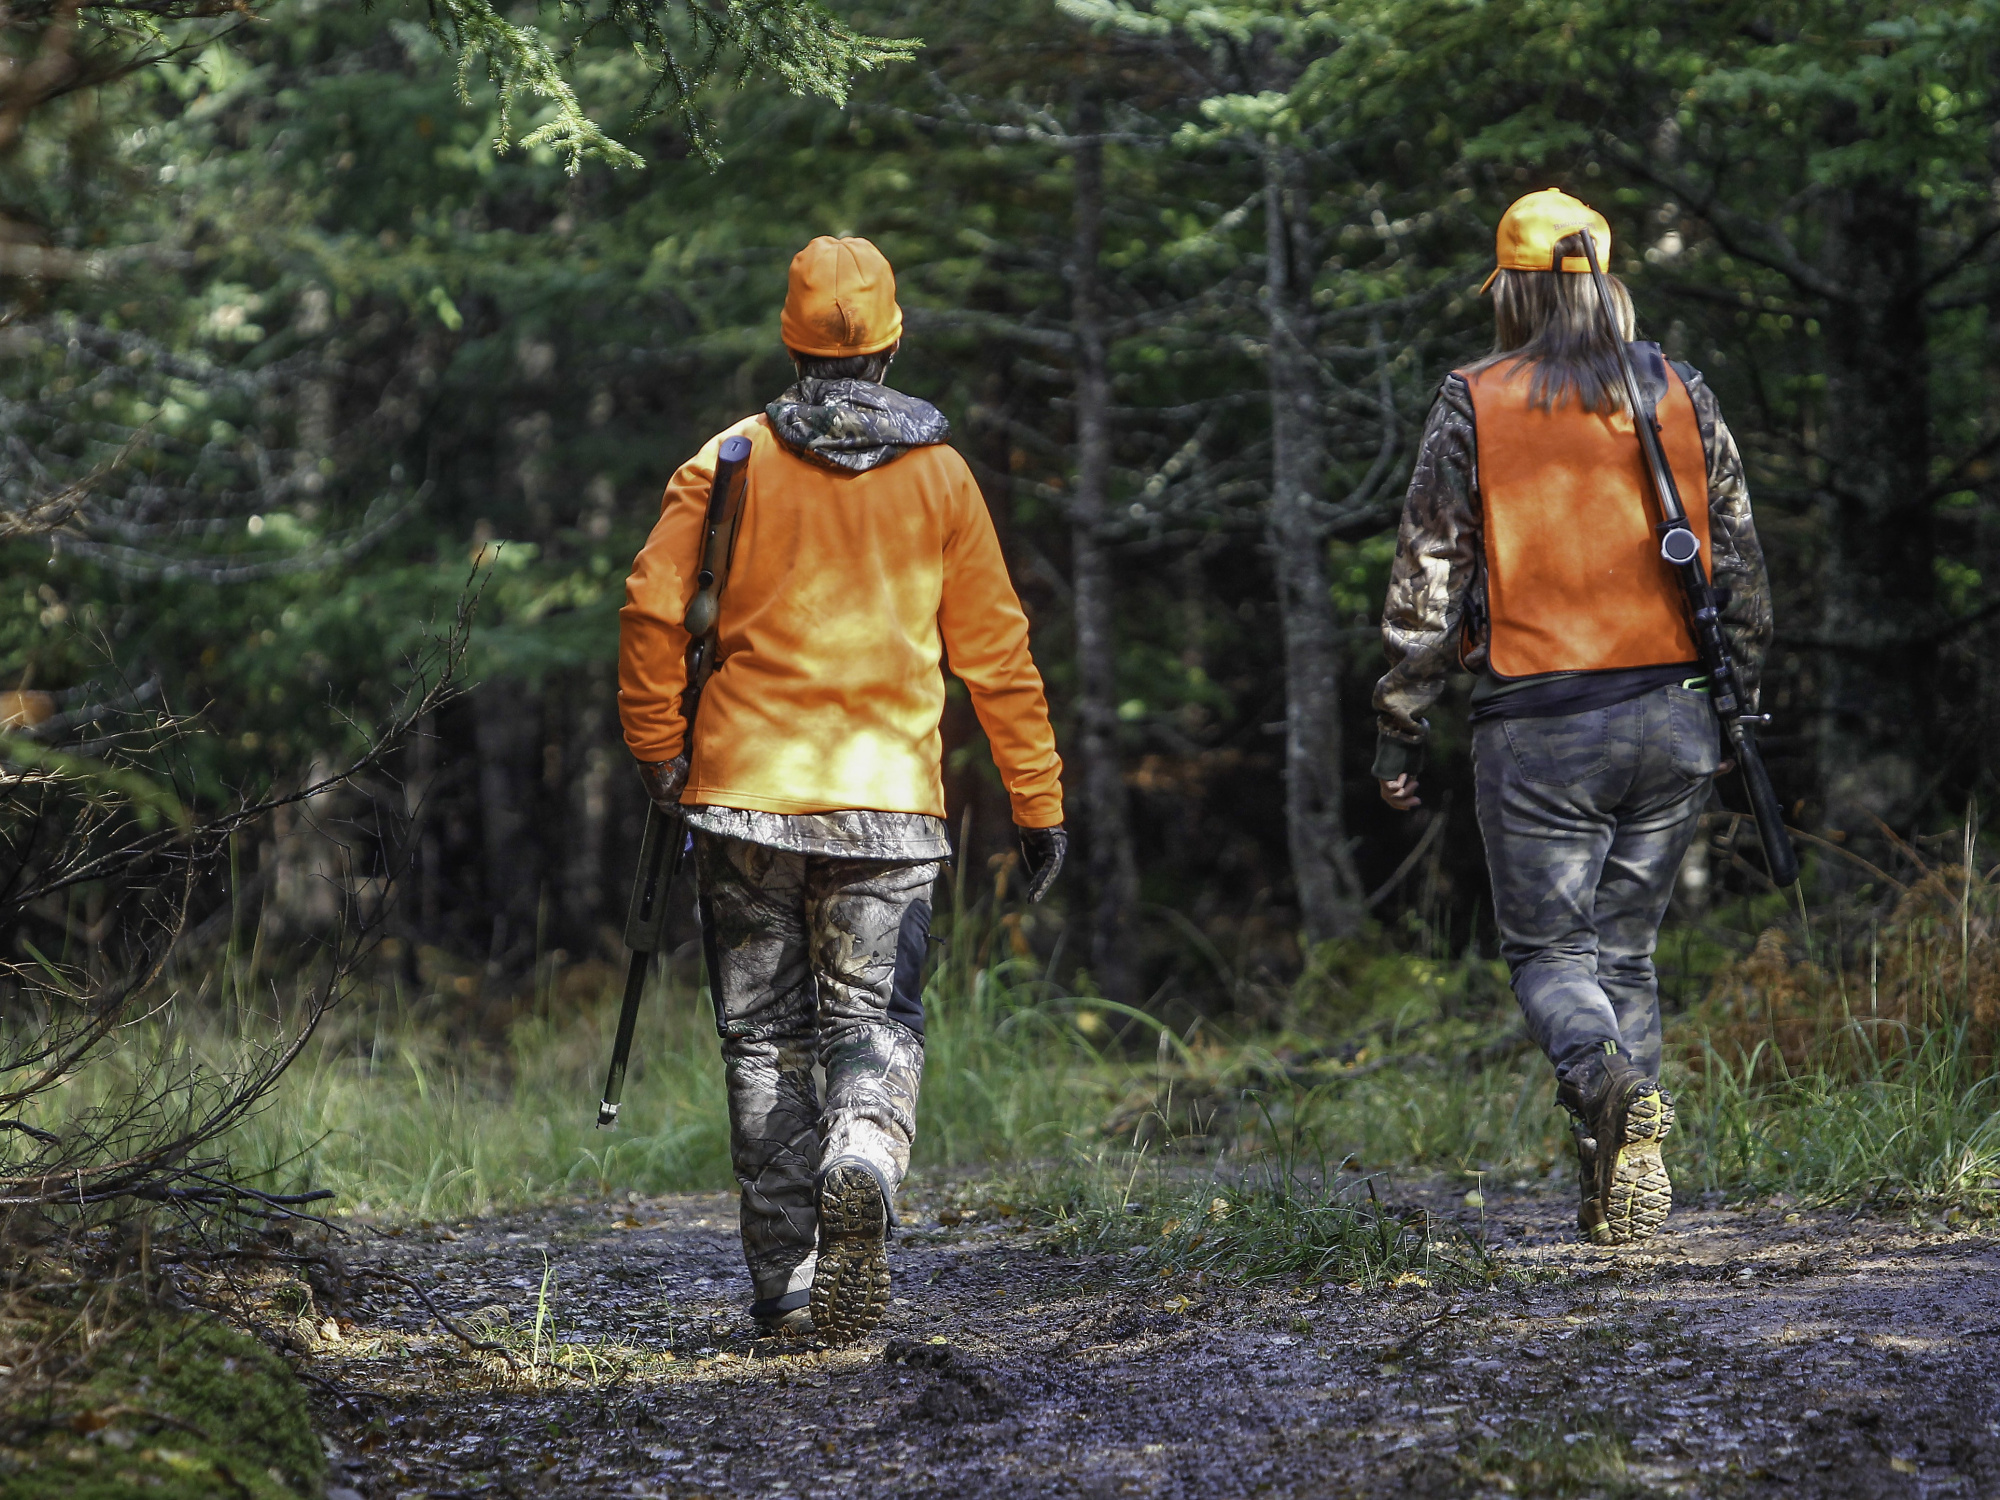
1681, 551
665, 840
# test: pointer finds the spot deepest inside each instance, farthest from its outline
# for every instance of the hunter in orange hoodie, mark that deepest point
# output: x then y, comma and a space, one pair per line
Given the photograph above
864, 558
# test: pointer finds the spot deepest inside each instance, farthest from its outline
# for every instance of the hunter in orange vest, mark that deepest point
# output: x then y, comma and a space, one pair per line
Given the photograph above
1528, 558
864, 557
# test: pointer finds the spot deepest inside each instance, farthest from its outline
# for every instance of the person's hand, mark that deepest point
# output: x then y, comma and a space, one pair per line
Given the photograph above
1042, 851
1725, 768
663, 780
1401, 793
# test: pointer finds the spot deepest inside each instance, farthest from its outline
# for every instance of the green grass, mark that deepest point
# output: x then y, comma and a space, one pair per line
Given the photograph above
1270, 1223
401, 1118
1918, 1129
1383, 1061
1556, 1461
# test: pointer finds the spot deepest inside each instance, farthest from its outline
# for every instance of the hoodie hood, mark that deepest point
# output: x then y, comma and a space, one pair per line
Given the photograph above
855, 425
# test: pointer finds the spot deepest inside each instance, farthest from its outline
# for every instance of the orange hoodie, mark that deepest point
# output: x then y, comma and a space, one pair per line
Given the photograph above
845, 593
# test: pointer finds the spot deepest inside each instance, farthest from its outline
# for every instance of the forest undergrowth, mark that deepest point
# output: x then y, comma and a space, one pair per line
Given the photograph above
1838, 1054
1842, 1057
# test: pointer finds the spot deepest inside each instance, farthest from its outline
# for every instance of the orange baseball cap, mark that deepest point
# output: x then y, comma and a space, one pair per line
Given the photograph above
1526, 239
841, 300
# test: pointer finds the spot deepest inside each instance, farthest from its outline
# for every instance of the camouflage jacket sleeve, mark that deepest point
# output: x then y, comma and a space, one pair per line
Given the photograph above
1736, 559
1433, 582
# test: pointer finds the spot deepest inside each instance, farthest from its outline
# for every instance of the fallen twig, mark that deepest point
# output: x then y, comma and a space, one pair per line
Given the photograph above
485, 1345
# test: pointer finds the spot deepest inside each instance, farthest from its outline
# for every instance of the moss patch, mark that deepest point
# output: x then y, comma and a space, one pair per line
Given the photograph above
171, 1407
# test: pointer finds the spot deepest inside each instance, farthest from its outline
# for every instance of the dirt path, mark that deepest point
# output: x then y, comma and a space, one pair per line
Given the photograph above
1751, 1354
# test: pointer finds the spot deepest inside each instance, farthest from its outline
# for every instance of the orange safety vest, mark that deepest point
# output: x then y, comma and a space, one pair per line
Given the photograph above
1574, 577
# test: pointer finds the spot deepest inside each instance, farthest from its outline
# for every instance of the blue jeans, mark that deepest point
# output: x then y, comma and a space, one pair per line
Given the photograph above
1586, 818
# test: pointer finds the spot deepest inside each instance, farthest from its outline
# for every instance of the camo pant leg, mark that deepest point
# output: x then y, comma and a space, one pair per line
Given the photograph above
870, 924
753, 919
1586, 818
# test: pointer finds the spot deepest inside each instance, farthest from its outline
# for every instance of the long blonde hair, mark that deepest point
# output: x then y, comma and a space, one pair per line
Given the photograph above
1553, 322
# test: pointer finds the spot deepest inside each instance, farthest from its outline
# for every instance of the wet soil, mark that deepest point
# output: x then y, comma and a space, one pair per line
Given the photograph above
1745, 1353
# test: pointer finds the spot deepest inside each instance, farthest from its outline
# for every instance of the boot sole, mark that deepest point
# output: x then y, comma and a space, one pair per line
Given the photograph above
850, 1290
1640, 1195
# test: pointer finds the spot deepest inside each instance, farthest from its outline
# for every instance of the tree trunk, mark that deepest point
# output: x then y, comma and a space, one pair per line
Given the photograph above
1111, 869
1986, 644
1322, 865
589, 756
506, 731
1879, 584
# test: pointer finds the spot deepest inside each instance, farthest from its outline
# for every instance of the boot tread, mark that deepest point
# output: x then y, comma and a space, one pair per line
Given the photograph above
850, 1290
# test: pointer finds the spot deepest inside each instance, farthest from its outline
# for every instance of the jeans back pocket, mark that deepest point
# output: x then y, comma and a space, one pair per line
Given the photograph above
1696, 734
1561, 751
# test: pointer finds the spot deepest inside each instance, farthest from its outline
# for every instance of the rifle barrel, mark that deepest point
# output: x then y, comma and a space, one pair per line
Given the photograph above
665, 838
1680, 550
621, 1048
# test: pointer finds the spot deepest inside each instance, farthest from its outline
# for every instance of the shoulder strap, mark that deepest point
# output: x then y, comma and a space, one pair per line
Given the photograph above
704, 611
1650, 365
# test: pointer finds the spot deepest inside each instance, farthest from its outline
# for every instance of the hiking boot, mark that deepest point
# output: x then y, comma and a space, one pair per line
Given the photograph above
1590, 1210
785, 1317
1622, 1118
850, 1289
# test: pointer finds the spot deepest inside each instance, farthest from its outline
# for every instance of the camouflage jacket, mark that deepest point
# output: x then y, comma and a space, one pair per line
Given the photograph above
1439, 572
853, 424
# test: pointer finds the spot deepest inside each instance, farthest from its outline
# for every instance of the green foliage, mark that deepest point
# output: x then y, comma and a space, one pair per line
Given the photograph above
168, 1405
677, 47
681, 46
402, 1116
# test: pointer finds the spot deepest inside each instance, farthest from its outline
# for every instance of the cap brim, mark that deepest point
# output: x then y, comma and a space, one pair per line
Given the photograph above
1488, 281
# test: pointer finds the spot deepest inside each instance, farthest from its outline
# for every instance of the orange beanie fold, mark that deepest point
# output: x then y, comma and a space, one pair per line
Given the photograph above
841, 300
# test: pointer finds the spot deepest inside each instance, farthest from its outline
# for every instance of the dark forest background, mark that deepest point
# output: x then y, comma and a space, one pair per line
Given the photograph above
308, 352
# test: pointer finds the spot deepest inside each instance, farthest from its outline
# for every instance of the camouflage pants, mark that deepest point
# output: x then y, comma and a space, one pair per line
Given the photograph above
1586, 818
811, 960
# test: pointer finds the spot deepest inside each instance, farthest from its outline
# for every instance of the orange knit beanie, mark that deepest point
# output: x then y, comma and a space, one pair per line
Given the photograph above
841, 300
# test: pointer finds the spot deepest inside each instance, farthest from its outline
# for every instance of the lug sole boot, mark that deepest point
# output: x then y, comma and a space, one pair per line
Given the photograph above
1621, 1119
850, 1289
1635, 1194
1635, 1191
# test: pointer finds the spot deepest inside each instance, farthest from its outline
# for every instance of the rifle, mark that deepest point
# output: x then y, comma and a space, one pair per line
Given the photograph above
665, 840
1681, 549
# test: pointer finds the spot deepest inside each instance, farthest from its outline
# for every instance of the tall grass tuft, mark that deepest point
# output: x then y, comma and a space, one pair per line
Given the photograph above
1861, 1072
400, 1116
1920, 1127
1265, 1221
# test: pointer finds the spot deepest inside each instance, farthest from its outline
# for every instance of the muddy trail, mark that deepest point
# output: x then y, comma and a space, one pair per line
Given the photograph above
1748, 1353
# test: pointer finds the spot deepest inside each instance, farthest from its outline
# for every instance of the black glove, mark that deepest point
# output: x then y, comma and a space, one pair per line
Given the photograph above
1042, 851
663, 780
